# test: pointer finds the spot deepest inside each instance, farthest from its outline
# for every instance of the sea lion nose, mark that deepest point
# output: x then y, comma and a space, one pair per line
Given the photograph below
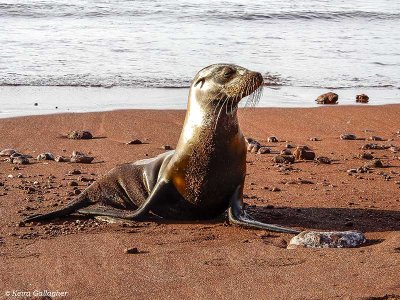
259, 78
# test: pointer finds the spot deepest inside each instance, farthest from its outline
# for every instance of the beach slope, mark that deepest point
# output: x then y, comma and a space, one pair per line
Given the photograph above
206, 260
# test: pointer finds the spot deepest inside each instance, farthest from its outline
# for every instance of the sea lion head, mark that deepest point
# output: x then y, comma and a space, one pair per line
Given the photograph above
226, 84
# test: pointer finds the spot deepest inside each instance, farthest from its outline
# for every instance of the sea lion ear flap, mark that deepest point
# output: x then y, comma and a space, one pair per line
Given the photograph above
201, 80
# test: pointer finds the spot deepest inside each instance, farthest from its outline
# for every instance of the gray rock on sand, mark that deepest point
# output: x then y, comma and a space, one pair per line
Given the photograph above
304, 153
328, 98
315, 139
79, 135
332, 239
376, 163
20, 160
348, 136
134, 142
60, 158
252, 145
264, 150
45, 156
250, 140
359, 170
362, 98
7, 152
79, 157
394, 149
286, 152
289, 146
375, 138
323, 160
366, 155
133, 250
283, 159
272, 139
375, 147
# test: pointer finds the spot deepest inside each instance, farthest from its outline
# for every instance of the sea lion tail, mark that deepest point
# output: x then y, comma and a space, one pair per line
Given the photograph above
79, 202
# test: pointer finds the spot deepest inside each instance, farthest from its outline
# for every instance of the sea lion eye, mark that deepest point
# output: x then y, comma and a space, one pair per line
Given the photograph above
201, 80
229, 72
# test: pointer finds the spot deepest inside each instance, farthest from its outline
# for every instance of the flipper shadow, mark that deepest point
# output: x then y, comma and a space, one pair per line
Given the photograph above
335, 219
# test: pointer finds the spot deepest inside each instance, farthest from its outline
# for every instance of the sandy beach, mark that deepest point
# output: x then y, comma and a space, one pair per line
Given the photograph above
206, 260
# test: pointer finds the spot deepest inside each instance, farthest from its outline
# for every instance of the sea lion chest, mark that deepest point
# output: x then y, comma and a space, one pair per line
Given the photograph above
207, 168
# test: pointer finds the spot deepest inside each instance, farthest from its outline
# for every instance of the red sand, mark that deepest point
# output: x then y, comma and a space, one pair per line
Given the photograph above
207, 260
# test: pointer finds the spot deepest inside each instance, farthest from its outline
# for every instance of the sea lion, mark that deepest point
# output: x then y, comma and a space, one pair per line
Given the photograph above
199, 180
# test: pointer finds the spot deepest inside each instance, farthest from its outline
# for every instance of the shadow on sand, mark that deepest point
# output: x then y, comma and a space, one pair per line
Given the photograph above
335, 219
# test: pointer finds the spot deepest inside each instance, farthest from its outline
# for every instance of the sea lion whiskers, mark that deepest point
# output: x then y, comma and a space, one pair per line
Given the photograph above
249, 86
219, 113
254, 97
218, 103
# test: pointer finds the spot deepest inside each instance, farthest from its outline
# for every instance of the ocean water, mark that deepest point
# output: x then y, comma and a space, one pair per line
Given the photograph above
301, 47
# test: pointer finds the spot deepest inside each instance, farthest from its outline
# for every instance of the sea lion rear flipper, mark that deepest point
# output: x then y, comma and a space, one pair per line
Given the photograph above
79, 202
156, 194
237, 215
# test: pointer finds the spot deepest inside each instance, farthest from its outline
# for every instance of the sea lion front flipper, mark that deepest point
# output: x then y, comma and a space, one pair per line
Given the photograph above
156, 194
237, 215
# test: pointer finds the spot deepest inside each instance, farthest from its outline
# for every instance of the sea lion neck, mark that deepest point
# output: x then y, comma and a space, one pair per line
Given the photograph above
207, 120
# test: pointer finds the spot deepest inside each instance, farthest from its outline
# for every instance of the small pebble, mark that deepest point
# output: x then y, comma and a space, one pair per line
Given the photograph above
60, 158
366, 155
45, 156
7, 152
304, 153
264, 150
328, 98
20, 160
323, 160
79, 157
134, 142
375, 138
286, 152
80, 135
284, 159
272, 139
315, 139
362, 98
131, 250
348, 136
376, 163
74, 172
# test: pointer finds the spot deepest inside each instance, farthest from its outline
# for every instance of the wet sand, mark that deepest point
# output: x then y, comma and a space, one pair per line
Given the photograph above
206, 260
65, 99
